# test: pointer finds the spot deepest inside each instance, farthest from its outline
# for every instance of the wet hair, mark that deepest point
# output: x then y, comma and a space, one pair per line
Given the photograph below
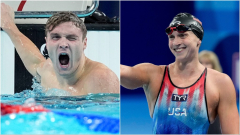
62, 17
212, 57
189, 20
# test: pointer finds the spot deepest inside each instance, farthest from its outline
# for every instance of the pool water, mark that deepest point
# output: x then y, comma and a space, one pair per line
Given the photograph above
88, 114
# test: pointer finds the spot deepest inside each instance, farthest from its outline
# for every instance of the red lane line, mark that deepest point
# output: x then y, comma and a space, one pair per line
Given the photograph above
21, 5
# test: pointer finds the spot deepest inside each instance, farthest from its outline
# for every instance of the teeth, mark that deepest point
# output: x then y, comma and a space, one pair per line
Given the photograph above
63, 53
178, 50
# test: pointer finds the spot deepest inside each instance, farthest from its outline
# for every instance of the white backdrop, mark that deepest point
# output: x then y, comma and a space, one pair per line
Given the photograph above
6, 64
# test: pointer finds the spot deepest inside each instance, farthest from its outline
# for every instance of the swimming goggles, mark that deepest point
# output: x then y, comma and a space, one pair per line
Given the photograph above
181, 28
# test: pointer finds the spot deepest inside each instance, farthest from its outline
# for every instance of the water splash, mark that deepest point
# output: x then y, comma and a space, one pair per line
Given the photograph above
29, 102
105, 105
59, 99
39, 91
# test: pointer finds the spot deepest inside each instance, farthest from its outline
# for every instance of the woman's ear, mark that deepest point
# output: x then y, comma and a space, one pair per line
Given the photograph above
199, 42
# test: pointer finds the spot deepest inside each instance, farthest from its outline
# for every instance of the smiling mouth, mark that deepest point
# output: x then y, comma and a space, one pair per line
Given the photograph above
179, 49
64, 59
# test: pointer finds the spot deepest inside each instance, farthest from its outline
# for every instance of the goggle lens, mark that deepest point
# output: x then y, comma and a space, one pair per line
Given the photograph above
180, 28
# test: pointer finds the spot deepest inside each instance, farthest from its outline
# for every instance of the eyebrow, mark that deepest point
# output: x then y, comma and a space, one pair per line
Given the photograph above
54, 34
70, 35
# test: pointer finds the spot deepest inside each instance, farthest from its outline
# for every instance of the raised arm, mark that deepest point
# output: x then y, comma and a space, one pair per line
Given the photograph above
134, 77
28, 52
227, 109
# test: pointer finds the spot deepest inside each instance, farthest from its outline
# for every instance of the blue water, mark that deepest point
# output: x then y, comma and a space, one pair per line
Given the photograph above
88, 114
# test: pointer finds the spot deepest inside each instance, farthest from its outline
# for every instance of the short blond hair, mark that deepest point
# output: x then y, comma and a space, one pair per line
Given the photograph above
212, 57
62, 17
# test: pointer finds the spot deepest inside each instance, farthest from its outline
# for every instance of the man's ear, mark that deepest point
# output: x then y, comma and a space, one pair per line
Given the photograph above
84, 43
46, 41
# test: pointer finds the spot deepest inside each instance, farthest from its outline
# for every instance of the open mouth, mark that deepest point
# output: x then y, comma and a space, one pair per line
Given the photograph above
64, 59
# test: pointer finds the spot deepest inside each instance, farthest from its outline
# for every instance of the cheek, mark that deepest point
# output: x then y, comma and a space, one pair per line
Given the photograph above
77, 48
50, 48
192, 47
50, 44
170, 45
77, 51
188, 42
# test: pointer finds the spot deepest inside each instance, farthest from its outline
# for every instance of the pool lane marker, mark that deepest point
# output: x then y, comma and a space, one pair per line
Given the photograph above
8, 109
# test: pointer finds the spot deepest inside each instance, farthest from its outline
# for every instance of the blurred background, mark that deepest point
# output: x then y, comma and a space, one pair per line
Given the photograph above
143, 39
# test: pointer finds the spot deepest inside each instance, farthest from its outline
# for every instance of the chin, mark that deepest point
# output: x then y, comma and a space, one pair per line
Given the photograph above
67, 72
180, 58
64, 73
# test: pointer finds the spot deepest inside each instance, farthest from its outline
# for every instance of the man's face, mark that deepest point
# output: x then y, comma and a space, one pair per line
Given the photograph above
65, 47
184, 45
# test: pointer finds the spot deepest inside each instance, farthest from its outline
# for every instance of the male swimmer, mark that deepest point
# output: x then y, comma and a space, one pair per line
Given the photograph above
184, 96
67, 68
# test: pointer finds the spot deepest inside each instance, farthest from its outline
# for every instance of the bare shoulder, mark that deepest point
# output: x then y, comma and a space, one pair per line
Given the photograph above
218, 77
155, 71
150, 68
102, 79
220, 80
160, 68
101, 70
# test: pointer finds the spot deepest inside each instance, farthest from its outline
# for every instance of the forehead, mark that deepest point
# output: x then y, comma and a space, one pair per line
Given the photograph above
66, 28
190, 33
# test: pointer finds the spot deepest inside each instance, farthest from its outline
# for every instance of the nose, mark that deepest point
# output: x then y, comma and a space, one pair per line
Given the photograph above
177, 41
63, 44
